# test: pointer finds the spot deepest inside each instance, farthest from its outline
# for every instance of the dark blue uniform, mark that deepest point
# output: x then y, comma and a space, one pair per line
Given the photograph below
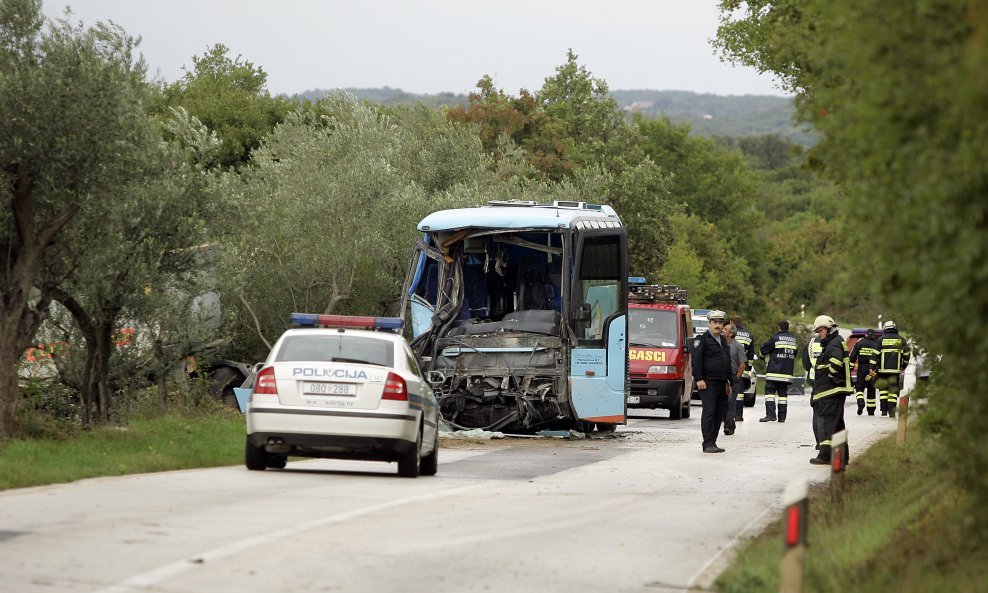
711, 361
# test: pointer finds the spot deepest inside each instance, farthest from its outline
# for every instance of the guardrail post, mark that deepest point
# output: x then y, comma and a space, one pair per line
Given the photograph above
900, 437
797, 503
837, 466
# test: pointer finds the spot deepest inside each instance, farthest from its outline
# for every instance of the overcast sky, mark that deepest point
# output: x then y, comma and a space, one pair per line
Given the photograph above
431, 46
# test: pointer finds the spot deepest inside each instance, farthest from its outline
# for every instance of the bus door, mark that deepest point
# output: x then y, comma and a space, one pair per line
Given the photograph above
598, 310
420, 294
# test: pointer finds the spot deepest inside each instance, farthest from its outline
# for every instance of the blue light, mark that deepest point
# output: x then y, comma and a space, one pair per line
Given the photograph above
636, 280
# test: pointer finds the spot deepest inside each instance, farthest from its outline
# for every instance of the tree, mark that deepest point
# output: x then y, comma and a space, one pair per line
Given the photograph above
898, 92
72, 128
228, 95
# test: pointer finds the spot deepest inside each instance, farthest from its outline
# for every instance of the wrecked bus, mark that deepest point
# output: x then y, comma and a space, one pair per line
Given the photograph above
518, 313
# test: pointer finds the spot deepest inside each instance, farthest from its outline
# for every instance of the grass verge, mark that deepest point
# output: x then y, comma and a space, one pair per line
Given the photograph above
904, 526
144, 445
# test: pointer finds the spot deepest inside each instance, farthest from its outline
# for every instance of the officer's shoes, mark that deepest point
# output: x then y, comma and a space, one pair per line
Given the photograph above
713, 449
768, 419
782, 419
739, 418
818, 461
728, 431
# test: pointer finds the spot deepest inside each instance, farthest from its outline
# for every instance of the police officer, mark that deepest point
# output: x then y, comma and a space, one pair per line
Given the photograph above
831, 386
893, 358
865, 354
781, 352
711, 361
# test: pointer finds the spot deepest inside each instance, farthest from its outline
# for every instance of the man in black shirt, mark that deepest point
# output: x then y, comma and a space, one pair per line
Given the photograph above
711, 361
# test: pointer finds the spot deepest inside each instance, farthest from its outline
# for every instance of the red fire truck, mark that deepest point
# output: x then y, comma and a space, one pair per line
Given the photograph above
659, 330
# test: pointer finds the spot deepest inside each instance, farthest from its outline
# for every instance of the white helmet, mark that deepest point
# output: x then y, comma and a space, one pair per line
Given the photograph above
888, 325
717, 314
824, 321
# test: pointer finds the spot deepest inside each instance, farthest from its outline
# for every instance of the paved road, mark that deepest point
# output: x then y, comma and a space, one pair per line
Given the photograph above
643, 511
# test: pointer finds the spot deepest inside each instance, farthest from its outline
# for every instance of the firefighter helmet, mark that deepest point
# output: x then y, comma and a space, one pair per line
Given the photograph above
824, 321
888, 325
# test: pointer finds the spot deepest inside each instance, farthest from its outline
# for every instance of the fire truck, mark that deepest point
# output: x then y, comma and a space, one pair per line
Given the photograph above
659, 330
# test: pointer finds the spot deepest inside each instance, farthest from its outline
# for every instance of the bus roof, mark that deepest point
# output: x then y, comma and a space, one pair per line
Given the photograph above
521, 215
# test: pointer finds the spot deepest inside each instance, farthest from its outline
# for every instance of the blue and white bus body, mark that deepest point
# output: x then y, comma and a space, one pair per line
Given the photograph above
518, 314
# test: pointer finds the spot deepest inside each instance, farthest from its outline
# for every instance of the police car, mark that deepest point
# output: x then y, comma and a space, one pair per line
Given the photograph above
342, 387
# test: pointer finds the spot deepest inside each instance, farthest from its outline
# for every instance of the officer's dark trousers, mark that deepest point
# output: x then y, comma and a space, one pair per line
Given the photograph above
829, 419
714, 400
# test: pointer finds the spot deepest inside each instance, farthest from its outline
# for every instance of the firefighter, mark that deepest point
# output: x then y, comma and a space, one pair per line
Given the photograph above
893, 358
746, 339
711, 360
831, 386
810, 354
781, 352
865, 354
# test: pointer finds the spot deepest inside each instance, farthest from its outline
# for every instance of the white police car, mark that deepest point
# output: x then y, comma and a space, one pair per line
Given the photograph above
342, 387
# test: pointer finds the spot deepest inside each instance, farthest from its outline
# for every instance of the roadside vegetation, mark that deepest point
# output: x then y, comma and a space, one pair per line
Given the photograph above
125, 198
191, 434
906, 525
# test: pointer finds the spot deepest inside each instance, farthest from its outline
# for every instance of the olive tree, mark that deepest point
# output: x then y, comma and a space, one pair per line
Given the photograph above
72, 130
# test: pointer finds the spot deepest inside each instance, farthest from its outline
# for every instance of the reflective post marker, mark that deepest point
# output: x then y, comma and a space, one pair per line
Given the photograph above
797, 505
837, 452
900, 437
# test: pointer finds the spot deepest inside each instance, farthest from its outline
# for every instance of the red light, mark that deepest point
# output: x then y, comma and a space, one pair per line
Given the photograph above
350, 321
395, 388
265, 383
837, 463
792, 525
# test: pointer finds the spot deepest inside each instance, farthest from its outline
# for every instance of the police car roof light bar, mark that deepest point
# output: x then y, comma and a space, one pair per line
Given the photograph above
636, 280
346, 321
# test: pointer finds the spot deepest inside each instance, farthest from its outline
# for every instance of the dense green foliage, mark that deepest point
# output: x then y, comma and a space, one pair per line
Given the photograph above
899, 95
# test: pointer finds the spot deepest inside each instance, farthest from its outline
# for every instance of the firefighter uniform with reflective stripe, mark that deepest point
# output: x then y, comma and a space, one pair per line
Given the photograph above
810, 354
893, 358
746, 339
865, 354
781, 352
831, 386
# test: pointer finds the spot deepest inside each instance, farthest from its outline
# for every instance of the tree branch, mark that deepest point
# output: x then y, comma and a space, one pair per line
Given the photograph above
257, 323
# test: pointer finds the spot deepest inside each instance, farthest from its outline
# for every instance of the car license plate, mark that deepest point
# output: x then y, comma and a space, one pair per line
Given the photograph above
633, 399
329, 389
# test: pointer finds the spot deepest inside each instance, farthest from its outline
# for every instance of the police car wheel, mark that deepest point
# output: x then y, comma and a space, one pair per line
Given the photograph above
409, 464
749, 400
255, 458
430, 463
277, 461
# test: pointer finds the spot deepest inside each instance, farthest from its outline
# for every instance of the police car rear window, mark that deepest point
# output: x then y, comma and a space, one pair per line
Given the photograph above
337, 347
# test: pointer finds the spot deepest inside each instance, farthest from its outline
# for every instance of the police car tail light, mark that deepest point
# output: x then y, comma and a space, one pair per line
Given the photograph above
265, 383
395, 388
346, 321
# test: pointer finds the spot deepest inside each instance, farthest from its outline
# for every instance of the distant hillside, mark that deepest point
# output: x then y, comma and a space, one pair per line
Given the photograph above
709, 115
